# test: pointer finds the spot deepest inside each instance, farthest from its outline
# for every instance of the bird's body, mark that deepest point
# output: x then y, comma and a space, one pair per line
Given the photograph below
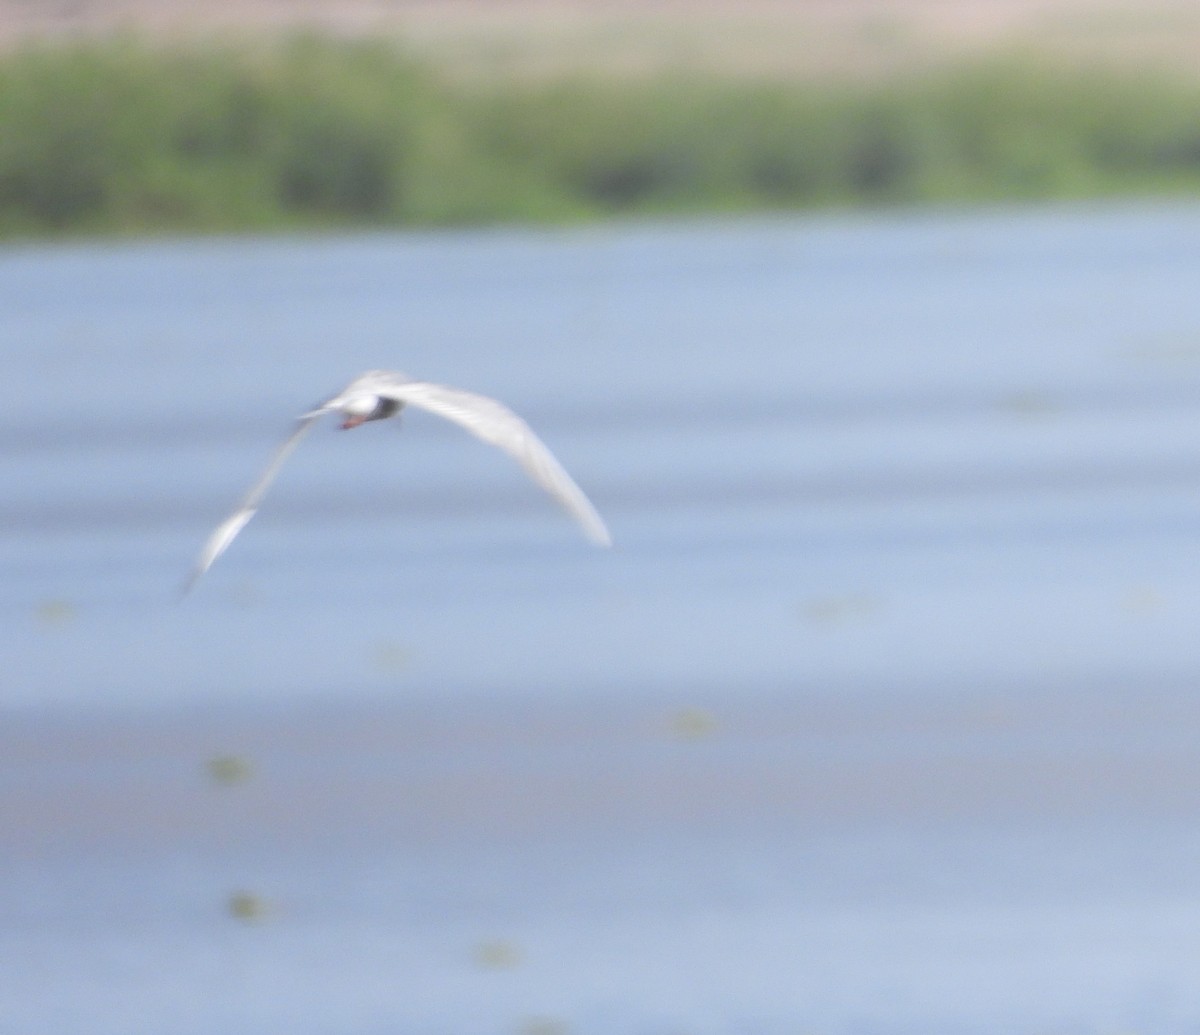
380, 394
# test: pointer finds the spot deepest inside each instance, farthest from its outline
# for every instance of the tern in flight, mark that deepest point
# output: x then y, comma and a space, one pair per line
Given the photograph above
379, 394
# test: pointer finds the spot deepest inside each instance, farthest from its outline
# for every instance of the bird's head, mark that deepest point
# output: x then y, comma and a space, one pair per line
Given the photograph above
360, 408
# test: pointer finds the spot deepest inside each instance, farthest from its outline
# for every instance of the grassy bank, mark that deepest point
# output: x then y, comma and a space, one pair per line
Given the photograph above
122, 137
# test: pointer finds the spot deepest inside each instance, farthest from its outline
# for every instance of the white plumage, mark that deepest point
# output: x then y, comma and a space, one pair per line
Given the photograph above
379, 394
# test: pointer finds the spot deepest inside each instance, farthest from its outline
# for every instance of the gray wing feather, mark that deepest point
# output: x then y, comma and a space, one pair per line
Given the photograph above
496, 424
227, 530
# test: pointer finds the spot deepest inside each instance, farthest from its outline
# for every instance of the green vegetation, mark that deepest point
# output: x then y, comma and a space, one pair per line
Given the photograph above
128, 137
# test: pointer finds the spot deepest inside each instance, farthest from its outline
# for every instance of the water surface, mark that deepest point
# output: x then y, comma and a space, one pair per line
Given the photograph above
880, 715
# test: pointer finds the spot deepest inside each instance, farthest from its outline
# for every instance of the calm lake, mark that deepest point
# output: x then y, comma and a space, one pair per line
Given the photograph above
881, 715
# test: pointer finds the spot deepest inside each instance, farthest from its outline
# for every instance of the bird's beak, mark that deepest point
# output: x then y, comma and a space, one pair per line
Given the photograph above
352, 421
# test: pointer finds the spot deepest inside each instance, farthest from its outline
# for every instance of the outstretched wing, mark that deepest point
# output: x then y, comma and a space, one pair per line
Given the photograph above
496, 424
227, 530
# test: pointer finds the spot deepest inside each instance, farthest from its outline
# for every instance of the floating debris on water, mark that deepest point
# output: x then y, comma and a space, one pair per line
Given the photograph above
497, 954
831, 609
230, 769
1143, 600
693, 724
1167, 349
54, 612
1029, 403
247, 907
391, 657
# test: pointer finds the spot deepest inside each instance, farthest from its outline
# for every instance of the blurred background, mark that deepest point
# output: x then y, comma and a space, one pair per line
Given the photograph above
872, 330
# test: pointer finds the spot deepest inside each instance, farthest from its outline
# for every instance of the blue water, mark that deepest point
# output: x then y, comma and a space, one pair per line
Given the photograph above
879, 717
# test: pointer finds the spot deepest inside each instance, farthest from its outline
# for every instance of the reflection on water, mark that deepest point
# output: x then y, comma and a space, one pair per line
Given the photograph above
879, 716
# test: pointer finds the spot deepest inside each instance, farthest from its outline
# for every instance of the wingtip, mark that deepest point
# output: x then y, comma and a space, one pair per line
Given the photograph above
189, 583
599, 534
